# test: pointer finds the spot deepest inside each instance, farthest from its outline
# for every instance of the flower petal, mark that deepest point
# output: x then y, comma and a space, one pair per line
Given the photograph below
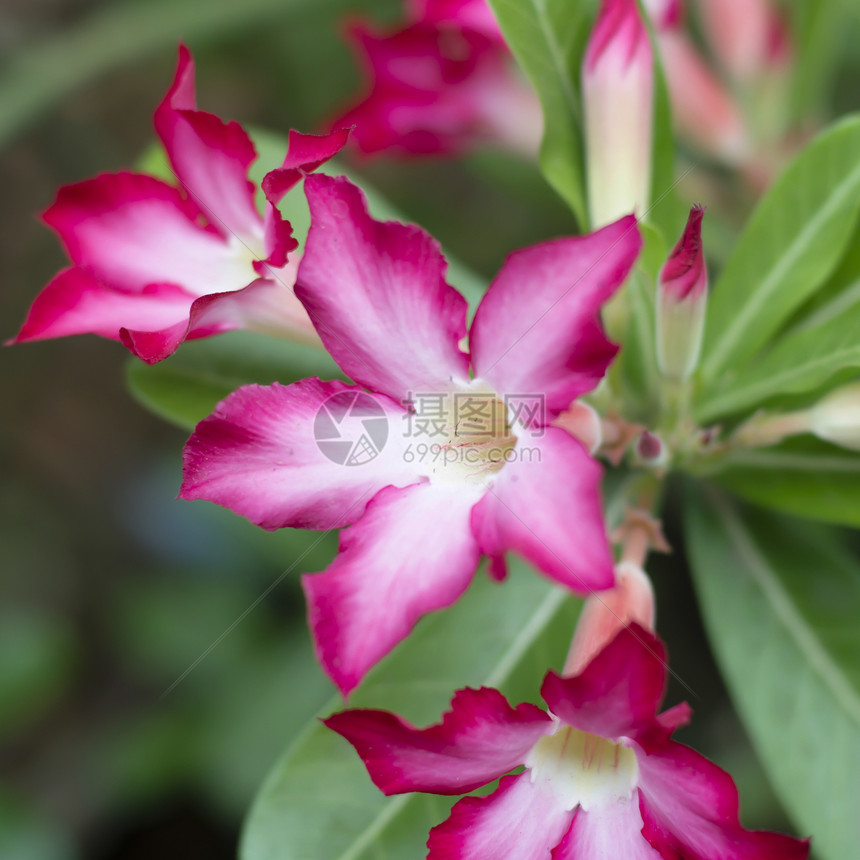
467, 14
75, 303
690, 808
377, 295
479, 739
538, 329
610, 832
291, 456
546, 506
131, 230
411, 553
617, 694
211, 158
305, 153
518, 821
263, 306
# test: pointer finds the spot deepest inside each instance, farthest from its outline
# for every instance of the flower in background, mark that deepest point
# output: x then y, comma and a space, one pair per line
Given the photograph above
457, 456
154, 264
602, 777
618, 102
441, 84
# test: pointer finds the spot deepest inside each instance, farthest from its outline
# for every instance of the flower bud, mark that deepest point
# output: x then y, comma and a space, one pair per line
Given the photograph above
618, 100
748, 36
836, 417
651, 450
630, 601
682, 295
583, 423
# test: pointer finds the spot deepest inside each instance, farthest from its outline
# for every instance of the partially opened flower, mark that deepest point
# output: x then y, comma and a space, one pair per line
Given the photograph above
451, 455
441, 84
154, 264
602, 779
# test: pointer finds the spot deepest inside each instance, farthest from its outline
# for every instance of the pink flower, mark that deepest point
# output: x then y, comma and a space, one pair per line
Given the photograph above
618, 99
602, 781
154, 264
443, 83
454, 455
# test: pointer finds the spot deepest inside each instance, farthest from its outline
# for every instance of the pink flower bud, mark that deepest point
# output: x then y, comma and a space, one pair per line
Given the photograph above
618, 98
605, 613
836, 417
682, 293
748, 36
583, 423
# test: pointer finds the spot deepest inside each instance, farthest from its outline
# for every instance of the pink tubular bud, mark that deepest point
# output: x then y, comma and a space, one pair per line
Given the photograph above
748, 36
704, 110
618, 99
606, 612
836, 417
682, 294
665, 14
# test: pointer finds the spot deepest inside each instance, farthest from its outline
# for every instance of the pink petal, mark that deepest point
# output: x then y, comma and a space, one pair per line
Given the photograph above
479, 739
610, 832
538, 327
617, 694
265, 306
690, 809
376, 293
131, 230
411, 553
466, 14
439, 90
257, 455
546, 506
305, 154
210, 157
75, 303
278, 242
518, 821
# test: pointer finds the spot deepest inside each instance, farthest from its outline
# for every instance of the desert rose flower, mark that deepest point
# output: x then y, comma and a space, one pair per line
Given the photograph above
602, 779
455, 453
682, 297
154, 264
618, 98
442, 84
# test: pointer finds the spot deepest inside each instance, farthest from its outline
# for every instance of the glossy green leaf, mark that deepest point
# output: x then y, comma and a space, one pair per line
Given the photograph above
802, 476
781, 599
793, 242
548, 39
800, 362
319, 802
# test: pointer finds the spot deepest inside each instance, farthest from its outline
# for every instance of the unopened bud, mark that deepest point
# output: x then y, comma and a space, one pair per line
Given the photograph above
583, 423
748, 36
665, 14
682, 295
604, 613
836, 417
618, 99
650, 449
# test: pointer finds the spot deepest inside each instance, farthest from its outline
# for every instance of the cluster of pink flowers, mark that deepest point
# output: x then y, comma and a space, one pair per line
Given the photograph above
495, 471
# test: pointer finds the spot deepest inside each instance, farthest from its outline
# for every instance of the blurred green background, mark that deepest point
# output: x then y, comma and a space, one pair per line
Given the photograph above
109, 589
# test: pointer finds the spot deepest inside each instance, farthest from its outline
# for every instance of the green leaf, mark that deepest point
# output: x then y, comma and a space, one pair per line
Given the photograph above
780, 600
548, 38
804, 477
793, 241
318, 800
801, 361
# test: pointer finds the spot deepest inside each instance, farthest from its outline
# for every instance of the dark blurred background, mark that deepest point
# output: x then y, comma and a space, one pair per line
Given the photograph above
110, 590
